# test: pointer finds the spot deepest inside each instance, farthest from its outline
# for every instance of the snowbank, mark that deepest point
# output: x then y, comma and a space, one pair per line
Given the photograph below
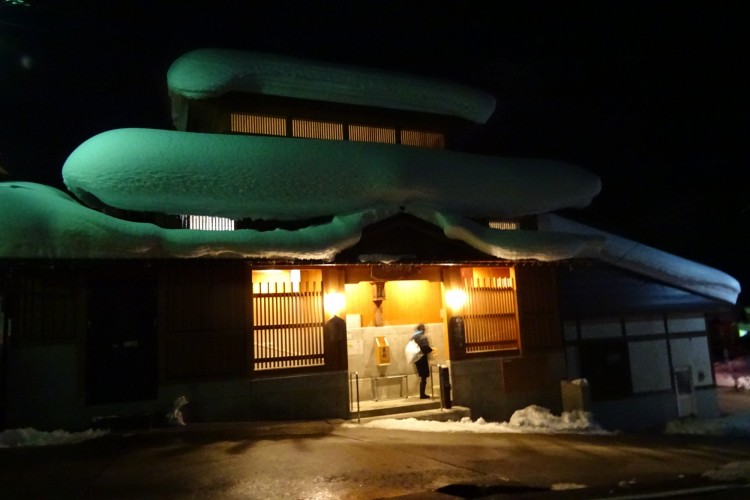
16, 438
533, 419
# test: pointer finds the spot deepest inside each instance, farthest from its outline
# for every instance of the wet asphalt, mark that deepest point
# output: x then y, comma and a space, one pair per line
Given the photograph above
346, 460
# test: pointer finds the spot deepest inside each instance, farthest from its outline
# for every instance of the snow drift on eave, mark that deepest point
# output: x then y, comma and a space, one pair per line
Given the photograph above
648, 261
207, 73
260, 177
42, 222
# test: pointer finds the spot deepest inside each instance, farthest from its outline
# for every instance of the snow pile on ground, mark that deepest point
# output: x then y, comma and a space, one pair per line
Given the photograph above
733, 471
539, 420
532, 419
16, 438
537, 417
733, 373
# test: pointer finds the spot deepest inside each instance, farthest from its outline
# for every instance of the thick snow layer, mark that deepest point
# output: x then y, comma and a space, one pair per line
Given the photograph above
42, 222
259, 177
517, 244
207, 73
648, 261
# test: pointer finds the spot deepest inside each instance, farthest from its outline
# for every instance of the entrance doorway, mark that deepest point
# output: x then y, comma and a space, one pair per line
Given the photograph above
121, 354
381, 317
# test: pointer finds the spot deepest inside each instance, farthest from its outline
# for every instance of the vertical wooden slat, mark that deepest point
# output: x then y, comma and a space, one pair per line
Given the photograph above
288, 319
490, 314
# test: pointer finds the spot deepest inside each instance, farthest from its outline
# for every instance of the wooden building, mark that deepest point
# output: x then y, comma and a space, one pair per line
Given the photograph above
271, 257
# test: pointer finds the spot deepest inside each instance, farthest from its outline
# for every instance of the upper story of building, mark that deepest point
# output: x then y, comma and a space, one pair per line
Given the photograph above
231, 91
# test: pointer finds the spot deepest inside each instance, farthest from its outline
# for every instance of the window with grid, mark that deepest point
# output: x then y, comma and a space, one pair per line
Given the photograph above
423, 139
311, 129
257, 124
287, 324
366, 133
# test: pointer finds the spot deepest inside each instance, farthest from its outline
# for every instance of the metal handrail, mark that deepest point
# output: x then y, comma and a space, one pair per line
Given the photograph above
351, 402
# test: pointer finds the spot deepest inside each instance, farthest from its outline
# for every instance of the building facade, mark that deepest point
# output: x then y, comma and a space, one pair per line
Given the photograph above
270, 258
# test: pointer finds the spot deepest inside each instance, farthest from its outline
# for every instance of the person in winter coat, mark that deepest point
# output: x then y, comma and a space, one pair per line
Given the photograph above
422, 364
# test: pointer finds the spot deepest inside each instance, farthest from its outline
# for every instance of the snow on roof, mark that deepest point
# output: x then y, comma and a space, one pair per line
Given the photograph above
43, 222
239, 176
206, 73
648, 261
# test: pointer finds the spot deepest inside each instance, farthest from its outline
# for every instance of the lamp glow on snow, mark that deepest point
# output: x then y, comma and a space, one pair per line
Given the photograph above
334, 303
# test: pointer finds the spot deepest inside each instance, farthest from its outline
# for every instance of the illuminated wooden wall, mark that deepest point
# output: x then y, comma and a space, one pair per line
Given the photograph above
407, 302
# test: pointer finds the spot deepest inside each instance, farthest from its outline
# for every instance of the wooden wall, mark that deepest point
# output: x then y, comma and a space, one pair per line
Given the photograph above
204, 320
49, 306
538, 309
406, 303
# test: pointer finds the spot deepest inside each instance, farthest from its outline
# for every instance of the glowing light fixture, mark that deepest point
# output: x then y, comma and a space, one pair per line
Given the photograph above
742, 332
334, 303
455, 298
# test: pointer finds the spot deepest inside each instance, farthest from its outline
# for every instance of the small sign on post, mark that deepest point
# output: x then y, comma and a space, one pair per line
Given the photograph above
382, 351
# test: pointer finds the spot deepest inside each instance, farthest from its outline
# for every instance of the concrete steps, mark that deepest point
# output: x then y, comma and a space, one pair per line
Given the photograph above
422, 409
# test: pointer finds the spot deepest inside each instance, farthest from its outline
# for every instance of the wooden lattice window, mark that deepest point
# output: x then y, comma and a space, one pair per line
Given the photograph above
257, 124
490, 315
207, 223
287, 325
504, 225
310, 129
423, 139
364, 133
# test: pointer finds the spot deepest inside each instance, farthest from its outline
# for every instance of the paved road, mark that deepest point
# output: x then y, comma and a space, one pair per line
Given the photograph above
327, 460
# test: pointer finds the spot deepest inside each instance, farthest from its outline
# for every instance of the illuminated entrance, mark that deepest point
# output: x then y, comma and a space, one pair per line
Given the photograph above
377, 308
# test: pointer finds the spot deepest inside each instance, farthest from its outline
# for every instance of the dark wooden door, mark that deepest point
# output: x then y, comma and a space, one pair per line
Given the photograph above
121, 356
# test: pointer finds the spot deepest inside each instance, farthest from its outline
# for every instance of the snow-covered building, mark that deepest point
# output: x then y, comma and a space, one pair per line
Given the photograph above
270, 257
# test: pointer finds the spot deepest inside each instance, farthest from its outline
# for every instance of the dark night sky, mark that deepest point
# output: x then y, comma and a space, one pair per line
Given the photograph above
652, 99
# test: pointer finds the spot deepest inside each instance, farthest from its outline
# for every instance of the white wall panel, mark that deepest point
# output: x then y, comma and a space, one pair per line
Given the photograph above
693, 352
649, 365
684, 324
